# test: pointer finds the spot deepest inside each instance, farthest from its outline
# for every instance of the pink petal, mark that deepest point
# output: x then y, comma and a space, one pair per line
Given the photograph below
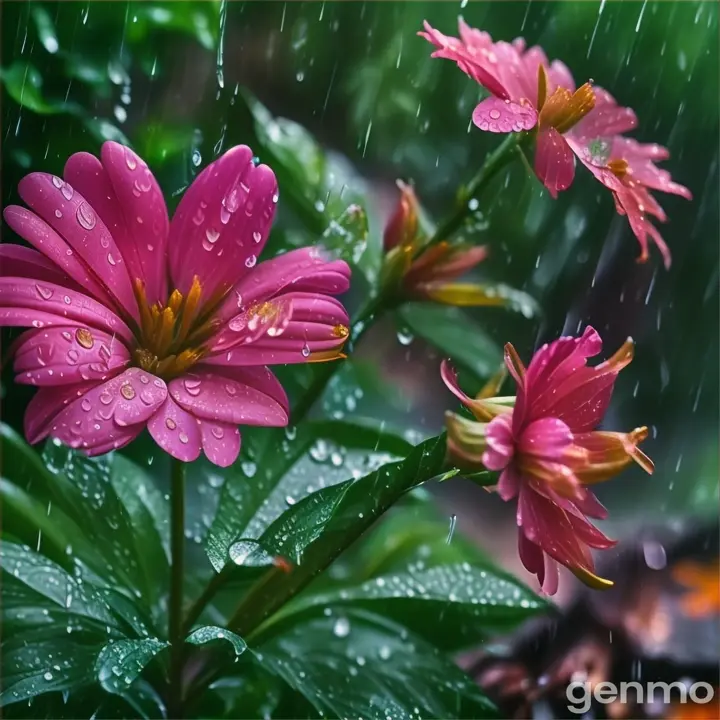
222, 223
317, 323
302, 270
503, 116
220, 441
20, 296
560, 76
67, 356
72, 217
120, 439
41, 236
531, 556
127, 198
509, 484
219, 397
24, 262
449, 377
259, 377
468, 59
547, 438
176, 431
103, 414
554, 161
606, 119
46, 404
500, 442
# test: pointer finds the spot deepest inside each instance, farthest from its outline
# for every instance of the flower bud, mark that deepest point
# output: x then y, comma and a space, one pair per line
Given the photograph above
402, 227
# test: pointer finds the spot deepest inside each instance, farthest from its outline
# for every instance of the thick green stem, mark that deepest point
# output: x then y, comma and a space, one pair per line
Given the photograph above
496, 161
175, 604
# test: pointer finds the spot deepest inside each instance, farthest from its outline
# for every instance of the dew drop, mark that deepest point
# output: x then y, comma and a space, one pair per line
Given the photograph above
184, 439
305, 350
127, 391
250, 261
130, 159
86, 405
84, 338
218, 432
57, 182
58, 214
67, 191
86, 216
341, 628
257, 237
44, 292
212, 235
170, 424
111, 259
196, 158
48, 676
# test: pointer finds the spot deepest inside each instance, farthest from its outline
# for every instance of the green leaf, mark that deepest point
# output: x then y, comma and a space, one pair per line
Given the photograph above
366, 666
120, 662
211, 633
267, 481
346, 237
53, 583
45, 666
454, 334
23, 83
337, 526
45, 28
451, 606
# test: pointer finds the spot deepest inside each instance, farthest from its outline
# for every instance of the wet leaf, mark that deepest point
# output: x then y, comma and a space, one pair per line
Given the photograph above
455, 334
452, 606
346, 237
210, 633
120, 662
45, 666
23, 83
259, 488
362, 665
54, 584
323, 530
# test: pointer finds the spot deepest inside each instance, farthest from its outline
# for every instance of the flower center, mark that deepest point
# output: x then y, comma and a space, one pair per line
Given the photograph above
562, 110
171, 336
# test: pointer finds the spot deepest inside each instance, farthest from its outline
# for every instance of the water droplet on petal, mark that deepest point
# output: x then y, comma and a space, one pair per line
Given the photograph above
305, 350
106, 399
212, 235
84, 338
58, 214
86, 405
218, 432
257, 237
72, 357
130, 159
57, 182
111, 259
170, 424
250, 261
44, 292
183, 438
86, 216
67, 191
127, 391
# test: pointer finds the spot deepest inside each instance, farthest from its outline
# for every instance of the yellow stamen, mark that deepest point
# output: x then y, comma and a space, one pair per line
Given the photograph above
175, 301
514, 359
164, 336
340, 331
619, 168
591, 580
146, 320
325, 356
563, 109
542, 86
189, 309
463, 295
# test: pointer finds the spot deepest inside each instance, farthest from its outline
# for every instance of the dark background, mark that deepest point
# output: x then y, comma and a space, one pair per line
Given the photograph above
169, 78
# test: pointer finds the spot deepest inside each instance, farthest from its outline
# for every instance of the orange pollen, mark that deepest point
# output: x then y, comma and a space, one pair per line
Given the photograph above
340, 331
619, 168
171, 337
562, 109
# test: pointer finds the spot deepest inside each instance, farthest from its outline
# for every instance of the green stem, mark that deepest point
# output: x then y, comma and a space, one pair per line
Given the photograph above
496, 161
175, 625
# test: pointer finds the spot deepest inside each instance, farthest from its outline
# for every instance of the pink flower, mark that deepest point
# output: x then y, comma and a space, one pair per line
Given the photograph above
142, 322
530, 93
548, 453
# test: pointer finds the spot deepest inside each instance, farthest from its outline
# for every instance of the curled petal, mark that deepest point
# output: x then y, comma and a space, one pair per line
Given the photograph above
220, 442
503, 116
67, 356
480, 408
220, 398
103, 414
509, 483
500, 443
466, 440
176, 431
609, 453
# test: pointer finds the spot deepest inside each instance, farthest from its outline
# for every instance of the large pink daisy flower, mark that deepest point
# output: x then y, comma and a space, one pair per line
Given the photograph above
139, 322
